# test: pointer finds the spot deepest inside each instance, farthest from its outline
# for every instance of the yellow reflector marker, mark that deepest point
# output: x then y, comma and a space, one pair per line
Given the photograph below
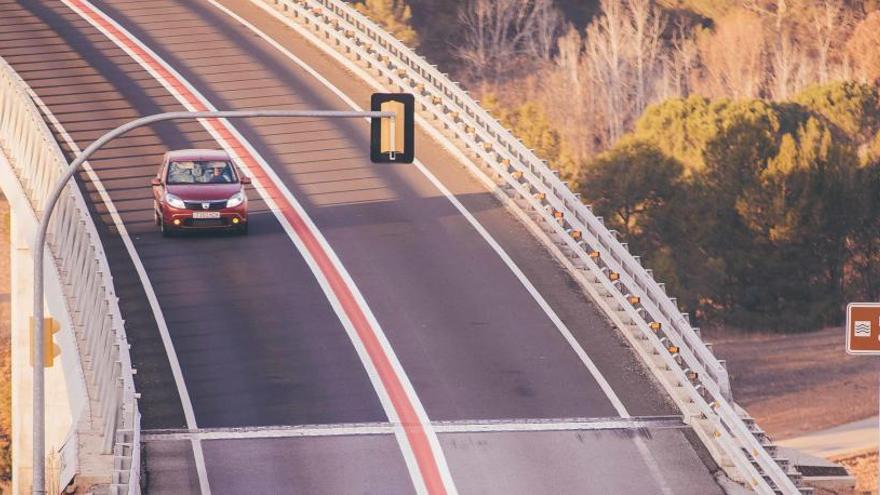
672, 349
655, 325
613, 276
594, 254
235, 220
634, 300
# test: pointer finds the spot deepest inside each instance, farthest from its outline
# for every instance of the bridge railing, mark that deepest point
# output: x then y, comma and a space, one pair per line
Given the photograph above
355, 40
81, 266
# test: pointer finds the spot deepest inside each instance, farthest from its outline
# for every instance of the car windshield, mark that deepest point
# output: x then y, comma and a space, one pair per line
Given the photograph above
200, 172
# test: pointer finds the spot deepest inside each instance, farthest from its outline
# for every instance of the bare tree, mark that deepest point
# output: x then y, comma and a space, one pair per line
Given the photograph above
784, 63
733, 57
547, 25
646, 26
679, 63
623, 49
605, 45
566, 94
828, 19
499, 34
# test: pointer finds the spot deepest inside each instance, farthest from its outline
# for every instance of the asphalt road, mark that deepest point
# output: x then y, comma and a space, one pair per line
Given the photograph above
258, 342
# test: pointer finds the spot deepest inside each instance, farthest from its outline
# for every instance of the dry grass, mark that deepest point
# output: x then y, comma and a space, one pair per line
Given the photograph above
5, 358
798, 383
864, 468
795, 384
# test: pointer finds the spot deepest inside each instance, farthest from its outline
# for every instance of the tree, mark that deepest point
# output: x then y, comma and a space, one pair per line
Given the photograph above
640, 192
394, 16
530, 124
629, 182
830, 17
767, 217
863, 269
622, 50
733, 56
850, 106
799, 209
691, 129
862, 47
499, 36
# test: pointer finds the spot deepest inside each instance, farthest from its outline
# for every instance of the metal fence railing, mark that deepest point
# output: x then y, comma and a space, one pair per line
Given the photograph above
81, 265
700, 380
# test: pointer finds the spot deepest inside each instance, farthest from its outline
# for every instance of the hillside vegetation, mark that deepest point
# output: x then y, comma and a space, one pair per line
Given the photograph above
734, 143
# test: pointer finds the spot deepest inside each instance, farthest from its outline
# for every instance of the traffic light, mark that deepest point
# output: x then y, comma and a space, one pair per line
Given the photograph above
50, 348
392, 142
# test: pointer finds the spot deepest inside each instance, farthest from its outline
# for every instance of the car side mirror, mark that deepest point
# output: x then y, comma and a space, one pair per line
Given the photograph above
156, 182
245, 180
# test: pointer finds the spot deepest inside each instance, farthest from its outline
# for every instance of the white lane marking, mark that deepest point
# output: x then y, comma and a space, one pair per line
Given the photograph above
400, 433
560, 325
487, 426
148, 290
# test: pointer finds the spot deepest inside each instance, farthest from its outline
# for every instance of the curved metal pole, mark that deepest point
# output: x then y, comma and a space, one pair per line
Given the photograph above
39, 479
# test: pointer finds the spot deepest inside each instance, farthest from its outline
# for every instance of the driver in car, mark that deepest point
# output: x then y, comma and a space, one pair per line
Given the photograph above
219, 174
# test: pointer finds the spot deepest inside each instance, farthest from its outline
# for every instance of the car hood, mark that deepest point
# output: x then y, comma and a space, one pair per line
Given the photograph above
203, 192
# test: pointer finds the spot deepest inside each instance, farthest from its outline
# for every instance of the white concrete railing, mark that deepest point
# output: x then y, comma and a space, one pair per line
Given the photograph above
352, 38
82, 267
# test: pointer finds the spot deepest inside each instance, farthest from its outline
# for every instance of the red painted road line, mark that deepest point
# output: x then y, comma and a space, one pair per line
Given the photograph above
415, 431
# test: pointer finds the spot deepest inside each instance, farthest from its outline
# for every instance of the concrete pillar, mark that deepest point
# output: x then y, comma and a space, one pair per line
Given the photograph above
58, 412
20, 267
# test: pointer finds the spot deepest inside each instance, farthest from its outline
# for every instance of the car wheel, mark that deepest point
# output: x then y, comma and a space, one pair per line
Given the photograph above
166, 231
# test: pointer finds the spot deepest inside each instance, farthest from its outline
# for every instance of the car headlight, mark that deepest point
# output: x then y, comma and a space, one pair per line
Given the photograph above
235, 200
174, 201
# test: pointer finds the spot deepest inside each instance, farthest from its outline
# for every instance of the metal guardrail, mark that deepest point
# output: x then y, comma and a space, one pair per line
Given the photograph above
87, 282
697, 373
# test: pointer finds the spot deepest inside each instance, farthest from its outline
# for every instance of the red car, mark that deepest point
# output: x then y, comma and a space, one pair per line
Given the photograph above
199, 189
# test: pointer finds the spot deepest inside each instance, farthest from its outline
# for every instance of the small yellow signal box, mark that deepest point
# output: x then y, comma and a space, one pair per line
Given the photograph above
50, 349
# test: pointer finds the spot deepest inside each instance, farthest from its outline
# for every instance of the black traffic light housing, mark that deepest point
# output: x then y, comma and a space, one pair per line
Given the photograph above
404, 105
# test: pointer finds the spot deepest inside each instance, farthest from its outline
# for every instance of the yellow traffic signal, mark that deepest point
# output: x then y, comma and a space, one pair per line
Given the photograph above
392, 140
389, 145
50, 348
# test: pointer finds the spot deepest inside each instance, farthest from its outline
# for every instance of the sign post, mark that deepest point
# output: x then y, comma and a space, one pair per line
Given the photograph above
863, 336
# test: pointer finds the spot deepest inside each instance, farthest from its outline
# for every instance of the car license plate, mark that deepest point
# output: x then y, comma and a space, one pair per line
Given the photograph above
206, 214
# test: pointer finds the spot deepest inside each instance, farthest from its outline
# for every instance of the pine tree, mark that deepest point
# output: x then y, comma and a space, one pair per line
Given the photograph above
394, 16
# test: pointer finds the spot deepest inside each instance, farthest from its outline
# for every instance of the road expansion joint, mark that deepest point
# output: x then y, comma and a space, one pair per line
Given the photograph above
388, 428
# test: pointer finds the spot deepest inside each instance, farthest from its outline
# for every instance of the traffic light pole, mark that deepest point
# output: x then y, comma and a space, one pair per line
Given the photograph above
39, 434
